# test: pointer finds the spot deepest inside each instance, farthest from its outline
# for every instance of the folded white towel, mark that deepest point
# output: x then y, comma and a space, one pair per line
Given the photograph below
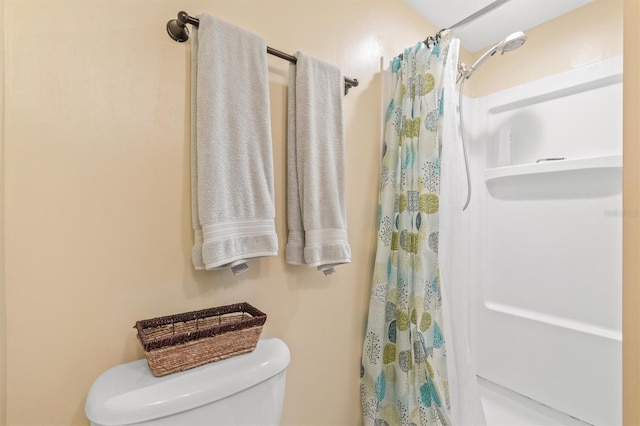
316, 209
232, 161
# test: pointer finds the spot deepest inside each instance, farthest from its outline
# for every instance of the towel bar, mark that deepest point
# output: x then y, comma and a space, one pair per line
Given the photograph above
177, 29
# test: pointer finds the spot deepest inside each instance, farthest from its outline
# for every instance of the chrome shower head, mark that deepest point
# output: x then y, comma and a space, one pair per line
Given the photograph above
512, 42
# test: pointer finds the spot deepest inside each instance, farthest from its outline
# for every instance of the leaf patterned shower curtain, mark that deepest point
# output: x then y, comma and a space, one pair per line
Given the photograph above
404, 371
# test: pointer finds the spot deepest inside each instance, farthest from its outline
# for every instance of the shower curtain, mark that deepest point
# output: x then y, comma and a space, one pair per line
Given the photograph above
404, 371
454, 254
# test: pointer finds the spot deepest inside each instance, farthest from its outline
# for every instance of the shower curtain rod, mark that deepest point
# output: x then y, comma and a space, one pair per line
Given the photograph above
177, 29
488, 8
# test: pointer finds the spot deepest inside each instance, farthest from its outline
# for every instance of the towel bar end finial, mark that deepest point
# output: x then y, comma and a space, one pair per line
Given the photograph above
177, 28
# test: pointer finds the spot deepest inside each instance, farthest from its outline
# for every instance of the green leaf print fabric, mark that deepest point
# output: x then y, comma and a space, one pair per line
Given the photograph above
404, 370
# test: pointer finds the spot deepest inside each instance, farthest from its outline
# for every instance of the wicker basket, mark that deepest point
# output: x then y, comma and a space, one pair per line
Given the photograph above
182, 341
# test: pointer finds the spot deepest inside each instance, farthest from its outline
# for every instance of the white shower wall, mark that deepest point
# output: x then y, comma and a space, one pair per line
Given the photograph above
546, 240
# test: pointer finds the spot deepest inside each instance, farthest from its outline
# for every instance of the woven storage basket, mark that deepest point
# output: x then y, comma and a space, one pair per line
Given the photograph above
182, 341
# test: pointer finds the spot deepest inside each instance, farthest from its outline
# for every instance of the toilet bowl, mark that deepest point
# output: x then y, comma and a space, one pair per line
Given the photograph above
244, 390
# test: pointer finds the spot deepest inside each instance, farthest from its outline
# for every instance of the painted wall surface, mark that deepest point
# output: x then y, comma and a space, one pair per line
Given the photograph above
584, 36
631, 218
3, 318
97, 186
98, 231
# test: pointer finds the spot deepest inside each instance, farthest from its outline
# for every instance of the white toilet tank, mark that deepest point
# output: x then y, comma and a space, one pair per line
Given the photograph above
244, 390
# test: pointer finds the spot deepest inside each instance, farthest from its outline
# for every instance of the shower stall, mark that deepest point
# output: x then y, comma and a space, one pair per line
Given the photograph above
541, 242
546, 232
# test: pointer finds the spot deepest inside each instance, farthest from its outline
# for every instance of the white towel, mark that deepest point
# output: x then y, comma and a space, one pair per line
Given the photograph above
231, 157
316, 209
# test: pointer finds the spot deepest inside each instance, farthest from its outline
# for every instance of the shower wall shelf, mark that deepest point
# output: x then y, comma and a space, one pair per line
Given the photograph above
576, 164
589, 177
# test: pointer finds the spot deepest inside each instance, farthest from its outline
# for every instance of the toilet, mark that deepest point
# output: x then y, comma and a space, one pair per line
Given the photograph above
244, 390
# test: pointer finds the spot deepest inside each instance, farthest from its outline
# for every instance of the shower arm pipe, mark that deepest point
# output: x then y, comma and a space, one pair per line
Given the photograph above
177, 30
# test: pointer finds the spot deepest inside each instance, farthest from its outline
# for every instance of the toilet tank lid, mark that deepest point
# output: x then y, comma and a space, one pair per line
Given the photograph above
129, 393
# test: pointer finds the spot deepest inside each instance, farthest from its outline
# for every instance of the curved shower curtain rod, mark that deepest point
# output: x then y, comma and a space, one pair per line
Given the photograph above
177, 29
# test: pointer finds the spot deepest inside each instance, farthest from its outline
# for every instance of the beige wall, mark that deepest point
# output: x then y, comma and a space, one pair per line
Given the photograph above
584, 36
97, 195
631, 221
3, 318
97, 188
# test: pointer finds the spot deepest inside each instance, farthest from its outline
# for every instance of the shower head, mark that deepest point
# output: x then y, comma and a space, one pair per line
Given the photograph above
512, 42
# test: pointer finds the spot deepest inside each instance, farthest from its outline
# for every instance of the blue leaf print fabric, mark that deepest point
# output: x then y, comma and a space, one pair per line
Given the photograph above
403, 371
